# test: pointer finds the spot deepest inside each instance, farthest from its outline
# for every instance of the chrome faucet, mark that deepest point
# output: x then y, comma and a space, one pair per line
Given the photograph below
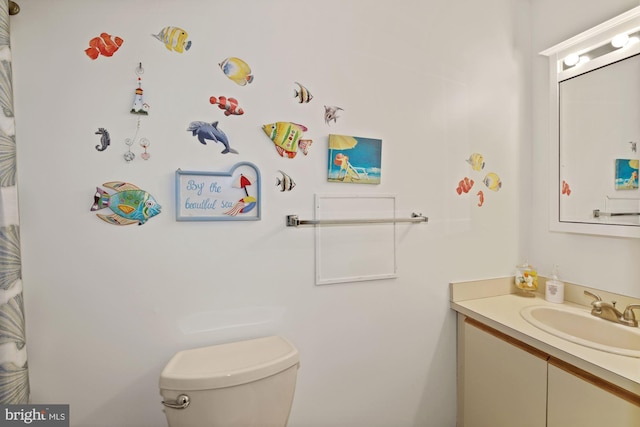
608, 311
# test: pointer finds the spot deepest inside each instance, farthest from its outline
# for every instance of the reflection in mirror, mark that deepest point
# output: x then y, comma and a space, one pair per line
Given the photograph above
599, 135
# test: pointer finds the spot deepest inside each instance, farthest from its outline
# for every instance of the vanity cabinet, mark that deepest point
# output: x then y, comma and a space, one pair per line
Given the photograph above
574, 401
500, 383
503, 382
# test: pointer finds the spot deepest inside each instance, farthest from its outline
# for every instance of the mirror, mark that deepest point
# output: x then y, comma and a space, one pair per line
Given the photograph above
595, 129
599, 113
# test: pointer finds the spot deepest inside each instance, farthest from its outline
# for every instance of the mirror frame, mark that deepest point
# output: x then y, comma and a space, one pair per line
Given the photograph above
580, 44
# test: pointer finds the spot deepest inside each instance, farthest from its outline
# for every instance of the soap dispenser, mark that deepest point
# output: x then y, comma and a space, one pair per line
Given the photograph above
554, 290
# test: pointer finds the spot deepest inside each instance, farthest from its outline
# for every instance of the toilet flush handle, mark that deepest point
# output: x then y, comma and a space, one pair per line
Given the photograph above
180, 403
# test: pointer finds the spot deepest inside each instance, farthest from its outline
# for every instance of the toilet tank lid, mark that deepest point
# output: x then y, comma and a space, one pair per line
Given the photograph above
226, 365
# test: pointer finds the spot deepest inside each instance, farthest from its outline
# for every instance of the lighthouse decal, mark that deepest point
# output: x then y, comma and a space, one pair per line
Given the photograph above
139, 106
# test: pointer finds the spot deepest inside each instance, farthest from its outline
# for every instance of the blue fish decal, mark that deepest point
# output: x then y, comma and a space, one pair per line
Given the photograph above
209, 131
130, 205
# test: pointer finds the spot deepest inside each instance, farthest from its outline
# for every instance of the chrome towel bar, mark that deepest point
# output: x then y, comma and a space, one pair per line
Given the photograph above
294, 221
597, 213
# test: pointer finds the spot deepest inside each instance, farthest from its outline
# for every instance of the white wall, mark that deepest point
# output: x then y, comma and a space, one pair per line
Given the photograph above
108, 306
601, 262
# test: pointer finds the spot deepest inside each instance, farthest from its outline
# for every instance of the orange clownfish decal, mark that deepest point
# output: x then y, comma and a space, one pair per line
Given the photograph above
464, 185
103, 45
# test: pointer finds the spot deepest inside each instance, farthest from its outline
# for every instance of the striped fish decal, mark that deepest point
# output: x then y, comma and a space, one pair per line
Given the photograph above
287, 137
303, 94
174, 38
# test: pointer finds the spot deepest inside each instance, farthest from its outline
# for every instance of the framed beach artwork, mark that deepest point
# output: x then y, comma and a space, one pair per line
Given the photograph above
626, 174
354, 159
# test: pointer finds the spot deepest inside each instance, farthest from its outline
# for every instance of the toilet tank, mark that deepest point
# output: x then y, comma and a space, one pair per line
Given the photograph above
239, 384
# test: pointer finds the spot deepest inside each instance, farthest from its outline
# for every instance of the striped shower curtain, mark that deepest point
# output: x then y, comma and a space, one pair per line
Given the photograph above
14, 374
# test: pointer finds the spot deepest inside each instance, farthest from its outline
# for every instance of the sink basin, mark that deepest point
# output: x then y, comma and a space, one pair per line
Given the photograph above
580, 327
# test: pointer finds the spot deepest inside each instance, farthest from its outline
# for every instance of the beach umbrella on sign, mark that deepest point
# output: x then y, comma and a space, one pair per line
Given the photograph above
242, 182
339, 142
247, 203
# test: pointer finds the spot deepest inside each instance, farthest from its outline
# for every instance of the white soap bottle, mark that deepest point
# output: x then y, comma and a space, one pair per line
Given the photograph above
554, 290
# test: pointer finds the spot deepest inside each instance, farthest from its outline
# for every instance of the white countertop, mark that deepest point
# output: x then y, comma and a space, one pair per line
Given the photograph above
502, 312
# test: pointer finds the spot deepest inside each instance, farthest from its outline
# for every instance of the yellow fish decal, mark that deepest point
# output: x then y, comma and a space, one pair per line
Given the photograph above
237, 70
287, 138
492, 181
476, 161
174, 38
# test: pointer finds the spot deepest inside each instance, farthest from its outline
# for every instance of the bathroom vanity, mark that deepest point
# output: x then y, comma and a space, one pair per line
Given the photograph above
511, 372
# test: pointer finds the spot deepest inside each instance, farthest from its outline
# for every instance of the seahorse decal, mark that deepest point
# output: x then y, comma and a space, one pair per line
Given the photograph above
105, 140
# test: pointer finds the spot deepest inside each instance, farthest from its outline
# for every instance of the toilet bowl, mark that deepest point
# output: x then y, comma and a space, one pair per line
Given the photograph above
240, 384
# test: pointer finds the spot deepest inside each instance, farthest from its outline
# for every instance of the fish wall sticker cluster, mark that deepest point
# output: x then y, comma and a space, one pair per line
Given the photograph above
129, 204
304, 96
175, 39
491, 180
287, 136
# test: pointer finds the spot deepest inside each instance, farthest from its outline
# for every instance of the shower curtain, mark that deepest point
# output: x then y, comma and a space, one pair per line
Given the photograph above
14, 374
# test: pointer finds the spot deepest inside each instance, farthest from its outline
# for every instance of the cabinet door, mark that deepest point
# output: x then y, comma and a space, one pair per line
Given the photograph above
575, 402
503, 384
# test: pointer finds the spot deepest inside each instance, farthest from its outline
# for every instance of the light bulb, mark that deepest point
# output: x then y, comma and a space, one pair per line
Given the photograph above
620, 40
583, 60
571, 60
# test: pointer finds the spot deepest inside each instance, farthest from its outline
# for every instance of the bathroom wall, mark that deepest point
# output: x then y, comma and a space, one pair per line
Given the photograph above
602, 262
107, 306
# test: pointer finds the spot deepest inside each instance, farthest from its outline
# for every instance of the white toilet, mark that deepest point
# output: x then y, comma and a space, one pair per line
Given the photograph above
240, 384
